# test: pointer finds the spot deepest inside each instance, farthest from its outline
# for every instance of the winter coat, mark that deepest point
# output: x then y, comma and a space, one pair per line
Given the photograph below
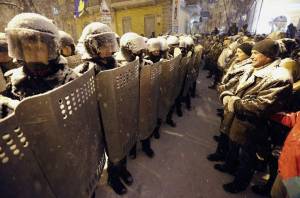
21, 84
232, 77
289, 160
97, 65
229, 82
259, 94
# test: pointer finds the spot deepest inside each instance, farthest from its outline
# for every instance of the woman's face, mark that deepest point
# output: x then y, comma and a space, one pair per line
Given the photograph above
240, 55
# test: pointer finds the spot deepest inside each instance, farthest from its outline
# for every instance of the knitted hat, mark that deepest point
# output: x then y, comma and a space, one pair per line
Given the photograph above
267, 47
246, 48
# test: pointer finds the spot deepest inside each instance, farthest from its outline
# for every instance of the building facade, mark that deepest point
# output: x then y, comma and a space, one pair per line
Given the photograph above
145, 17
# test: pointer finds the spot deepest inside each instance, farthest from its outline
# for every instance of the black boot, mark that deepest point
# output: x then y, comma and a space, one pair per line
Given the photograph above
245, 171
216, 138
156, 133
193, 90
188, 102
169, 119
225, 169
146, 148
114, 179
220, 113
222, 149
263, 190
178, 107
125, 174
171, 123
220, 110
234, 187
132, 152
213, 86
209, 75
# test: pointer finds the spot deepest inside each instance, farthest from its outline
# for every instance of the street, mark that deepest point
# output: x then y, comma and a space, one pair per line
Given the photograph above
180, 168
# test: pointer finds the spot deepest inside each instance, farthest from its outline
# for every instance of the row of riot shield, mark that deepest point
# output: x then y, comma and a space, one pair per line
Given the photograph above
52, 146
191, 64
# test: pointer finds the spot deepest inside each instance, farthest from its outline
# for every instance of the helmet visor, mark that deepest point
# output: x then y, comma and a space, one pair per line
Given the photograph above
104, 43
30, 45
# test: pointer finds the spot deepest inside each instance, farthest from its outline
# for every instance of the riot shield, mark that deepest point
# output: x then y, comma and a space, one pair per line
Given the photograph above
149, 97
182, 74
118, 96
63, 129
188, 76
20, 173
167, 87
196, 67
176, 75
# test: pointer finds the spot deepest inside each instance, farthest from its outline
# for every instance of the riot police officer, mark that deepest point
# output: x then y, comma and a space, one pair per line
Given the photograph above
5, 61
132, 46
154, 50
173, 44
97, 45
33, 43
165, 49
67, 45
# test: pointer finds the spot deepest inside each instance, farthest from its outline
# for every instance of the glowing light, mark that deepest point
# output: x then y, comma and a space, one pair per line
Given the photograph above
272, 9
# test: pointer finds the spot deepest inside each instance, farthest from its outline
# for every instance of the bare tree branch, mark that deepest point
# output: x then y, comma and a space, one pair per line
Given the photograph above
11, 4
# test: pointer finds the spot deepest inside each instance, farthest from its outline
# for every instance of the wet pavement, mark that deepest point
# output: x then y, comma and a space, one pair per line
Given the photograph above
180, 168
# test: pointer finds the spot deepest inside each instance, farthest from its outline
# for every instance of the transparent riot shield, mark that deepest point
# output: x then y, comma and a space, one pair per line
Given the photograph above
149, 98
118, 96
62, 128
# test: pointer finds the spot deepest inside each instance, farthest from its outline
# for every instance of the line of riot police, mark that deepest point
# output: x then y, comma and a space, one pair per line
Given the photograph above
63, 108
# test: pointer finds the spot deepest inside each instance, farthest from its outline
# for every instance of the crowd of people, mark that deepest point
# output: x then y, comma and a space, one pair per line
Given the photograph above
256, 77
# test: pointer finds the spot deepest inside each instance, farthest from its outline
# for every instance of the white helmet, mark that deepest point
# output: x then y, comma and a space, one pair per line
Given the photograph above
173, 40
189, 41
133, 42
153, 44
26, 28
65, 39
182, 42
95, 36
164, 44
145, 39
